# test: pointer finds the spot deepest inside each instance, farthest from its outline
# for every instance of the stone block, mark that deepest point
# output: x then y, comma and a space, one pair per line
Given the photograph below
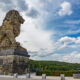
62, 77
43, 76
76, 76
15, 75
28, 75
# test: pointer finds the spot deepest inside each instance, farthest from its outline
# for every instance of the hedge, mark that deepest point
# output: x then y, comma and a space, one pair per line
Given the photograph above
56, 73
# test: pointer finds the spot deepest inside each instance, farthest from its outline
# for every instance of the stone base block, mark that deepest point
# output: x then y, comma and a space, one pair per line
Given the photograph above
14, 61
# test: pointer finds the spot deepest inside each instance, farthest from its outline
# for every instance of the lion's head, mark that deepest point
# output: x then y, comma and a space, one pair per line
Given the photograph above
15, 20
13, 16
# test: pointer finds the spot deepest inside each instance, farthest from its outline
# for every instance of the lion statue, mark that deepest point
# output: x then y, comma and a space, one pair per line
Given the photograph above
10, 29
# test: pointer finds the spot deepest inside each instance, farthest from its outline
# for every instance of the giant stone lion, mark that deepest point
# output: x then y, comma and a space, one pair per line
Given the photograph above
10, 29
13, 57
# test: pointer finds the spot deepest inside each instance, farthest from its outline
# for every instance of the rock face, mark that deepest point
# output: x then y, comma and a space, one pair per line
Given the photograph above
13, 57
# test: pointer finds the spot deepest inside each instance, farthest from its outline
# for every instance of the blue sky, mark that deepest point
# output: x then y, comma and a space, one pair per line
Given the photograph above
51, 30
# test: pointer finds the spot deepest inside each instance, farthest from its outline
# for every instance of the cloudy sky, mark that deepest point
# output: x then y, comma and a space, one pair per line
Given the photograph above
51, 30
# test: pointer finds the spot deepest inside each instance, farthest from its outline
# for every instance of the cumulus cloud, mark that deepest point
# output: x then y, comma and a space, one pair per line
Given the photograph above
72, 22
67, 43
65, 9
4, 1
33, 13
23, 6
67, 40
70, 57
20, 5
38, 39
73, 57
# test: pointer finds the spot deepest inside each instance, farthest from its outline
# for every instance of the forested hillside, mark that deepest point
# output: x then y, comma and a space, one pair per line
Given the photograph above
53, 67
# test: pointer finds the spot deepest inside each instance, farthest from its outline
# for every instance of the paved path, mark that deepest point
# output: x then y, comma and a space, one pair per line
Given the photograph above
34, 78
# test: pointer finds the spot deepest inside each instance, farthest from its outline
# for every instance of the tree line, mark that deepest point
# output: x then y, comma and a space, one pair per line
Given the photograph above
53, 68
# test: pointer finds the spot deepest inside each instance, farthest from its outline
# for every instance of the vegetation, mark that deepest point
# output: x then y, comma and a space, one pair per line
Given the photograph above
53, 68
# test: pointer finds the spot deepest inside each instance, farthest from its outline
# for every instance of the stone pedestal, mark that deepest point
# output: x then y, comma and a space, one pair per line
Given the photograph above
14, 61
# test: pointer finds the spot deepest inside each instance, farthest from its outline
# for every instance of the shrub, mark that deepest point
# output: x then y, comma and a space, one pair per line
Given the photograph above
56, 73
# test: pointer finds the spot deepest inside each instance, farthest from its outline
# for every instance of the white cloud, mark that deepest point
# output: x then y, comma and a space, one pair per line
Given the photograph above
67, 40
36, 38
67, 43
65, 9
2, 14
73, 57
34, 34
72, 21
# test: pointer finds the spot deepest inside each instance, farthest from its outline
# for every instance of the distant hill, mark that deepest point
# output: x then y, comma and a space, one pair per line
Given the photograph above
53, 66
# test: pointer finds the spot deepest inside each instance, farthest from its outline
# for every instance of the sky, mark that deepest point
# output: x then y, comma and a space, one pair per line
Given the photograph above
51, 30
